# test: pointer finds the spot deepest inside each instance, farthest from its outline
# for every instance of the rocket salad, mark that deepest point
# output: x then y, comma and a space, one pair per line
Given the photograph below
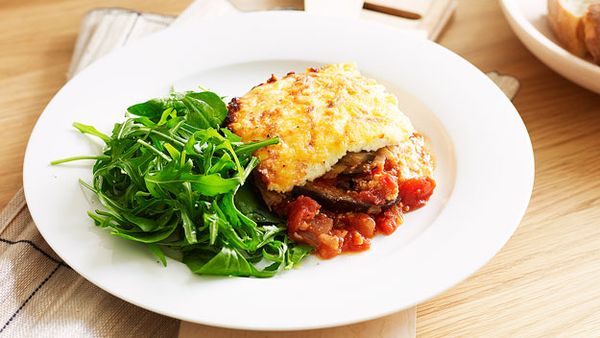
172, 179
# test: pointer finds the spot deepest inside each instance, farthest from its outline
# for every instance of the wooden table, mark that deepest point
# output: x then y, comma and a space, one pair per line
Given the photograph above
546, 279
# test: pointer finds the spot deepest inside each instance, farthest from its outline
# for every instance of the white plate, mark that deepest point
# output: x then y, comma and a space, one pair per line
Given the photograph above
528, 20
484, 173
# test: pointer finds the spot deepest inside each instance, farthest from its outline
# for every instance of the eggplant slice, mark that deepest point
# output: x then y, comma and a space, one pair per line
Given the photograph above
338, 197
352, 164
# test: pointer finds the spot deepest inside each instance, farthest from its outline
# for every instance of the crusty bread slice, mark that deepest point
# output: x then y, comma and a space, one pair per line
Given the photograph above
591, 24
566, 20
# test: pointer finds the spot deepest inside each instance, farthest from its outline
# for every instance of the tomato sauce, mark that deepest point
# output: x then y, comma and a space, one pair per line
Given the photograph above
334, 233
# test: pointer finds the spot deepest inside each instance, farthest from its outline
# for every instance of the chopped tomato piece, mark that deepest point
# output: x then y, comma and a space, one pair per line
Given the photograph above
355, 242
415, 192
388, 221
385, 189
307, 225
363, 223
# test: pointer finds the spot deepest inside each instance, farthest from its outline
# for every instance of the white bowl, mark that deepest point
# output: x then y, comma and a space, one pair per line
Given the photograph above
528, 21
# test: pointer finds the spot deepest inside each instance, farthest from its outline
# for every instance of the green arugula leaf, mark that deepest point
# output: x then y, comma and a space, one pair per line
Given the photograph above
228, 262
150, 109
172, 178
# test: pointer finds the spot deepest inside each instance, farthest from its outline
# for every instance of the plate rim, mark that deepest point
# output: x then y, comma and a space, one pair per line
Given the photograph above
479, 264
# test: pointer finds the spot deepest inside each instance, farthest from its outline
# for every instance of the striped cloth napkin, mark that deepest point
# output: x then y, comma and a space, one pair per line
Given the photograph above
41, 296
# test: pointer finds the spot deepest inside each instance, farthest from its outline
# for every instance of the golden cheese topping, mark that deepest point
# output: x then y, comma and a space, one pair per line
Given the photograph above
319, 116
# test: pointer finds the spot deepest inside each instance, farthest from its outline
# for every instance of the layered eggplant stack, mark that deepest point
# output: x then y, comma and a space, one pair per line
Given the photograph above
349, 163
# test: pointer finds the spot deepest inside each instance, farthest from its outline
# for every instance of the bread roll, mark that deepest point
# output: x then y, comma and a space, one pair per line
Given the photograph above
576, 25
591, 24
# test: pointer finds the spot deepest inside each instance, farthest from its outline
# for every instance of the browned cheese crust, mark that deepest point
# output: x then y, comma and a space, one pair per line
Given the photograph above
319, 116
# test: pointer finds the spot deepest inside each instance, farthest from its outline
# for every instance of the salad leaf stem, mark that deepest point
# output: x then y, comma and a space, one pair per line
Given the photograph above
79, 158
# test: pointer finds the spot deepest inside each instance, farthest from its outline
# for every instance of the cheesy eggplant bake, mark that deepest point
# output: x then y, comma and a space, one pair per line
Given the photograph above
348, 163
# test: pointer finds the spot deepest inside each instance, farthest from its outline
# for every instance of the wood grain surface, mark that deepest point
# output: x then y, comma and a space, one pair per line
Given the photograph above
545, 281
